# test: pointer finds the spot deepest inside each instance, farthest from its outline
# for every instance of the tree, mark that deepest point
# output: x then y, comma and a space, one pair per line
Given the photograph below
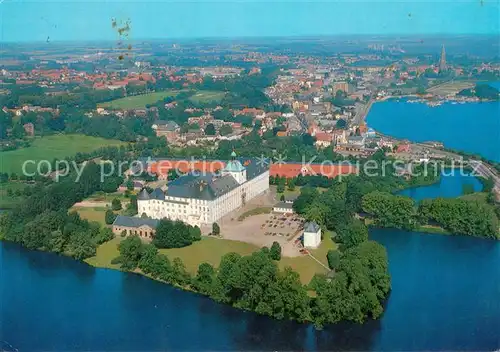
341, 124
291, 184
130, 185
116, 204
179, 274
130, 252
333, 257
175, 234
225, 130
109, 217
205, 278
275, 251
390, 210
215, 229
210, 130
352, 234
282, 198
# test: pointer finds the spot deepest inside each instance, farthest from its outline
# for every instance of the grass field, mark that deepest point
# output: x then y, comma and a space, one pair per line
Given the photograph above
6, 201
105, 253
451, 87
140, 101
206, 96
210, 250
91, 214
307, 266
50, 147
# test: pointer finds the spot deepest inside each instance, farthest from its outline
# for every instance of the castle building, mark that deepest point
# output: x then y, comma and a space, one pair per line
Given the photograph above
204, 198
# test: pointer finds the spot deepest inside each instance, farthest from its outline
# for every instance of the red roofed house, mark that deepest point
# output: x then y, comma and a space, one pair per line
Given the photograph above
323, 139
403, 148
29, 128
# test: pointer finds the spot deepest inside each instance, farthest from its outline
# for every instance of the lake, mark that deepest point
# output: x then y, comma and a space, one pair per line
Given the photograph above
471, 127
450, 186
446, 296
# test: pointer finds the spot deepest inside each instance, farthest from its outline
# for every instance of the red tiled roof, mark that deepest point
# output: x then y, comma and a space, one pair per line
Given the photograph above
290, 170
324, 137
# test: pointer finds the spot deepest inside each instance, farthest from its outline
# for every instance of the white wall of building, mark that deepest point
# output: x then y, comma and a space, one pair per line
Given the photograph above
312, 239
202, 212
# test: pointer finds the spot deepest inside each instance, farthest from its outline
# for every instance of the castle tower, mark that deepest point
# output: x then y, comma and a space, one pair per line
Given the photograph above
235, 169
442, 60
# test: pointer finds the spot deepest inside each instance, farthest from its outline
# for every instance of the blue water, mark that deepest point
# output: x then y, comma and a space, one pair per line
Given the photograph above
446, 296
450, 186
471, 127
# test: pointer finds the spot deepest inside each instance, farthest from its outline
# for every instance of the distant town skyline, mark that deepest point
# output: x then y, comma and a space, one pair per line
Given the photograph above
72, 20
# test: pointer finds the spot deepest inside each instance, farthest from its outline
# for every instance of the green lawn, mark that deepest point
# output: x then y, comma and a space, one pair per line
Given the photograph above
105, 253
206, 96
140, 101
477, 196
6, 201
91, 214
307, 266
210, 250
50, 147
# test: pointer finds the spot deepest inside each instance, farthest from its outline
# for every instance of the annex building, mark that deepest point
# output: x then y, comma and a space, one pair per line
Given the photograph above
202, 198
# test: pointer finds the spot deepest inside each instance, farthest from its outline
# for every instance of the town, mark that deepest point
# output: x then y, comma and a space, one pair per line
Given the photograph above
206, 164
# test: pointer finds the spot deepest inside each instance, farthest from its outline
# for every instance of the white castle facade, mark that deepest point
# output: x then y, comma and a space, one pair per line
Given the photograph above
204, 199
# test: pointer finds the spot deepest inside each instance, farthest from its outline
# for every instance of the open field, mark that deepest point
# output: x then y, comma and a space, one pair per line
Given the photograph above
50, 147
91, 214
451, 87
6, 201
208, 250
211, 249
140, 101
206, 96
105, 253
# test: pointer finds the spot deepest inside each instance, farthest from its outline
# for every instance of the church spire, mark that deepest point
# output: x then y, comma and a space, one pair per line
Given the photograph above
442, 60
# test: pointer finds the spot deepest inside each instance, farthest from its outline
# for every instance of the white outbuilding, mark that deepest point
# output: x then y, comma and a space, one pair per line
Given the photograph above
312, 235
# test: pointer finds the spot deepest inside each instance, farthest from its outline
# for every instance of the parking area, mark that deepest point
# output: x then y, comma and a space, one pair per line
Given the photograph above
264, 229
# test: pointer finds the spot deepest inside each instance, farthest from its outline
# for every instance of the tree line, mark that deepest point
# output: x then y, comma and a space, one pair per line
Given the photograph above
255, 283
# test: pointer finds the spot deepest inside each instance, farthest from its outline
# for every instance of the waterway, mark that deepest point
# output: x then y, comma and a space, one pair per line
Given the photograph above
450, 185
470, 127
446, 296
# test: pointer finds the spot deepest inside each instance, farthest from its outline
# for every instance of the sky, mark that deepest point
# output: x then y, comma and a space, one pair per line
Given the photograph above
71, 20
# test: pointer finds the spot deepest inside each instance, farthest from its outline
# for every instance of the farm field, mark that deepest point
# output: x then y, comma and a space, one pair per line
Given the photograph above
50, 147
140, 101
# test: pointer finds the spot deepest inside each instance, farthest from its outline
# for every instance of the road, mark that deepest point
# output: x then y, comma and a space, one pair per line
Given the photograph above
486, 171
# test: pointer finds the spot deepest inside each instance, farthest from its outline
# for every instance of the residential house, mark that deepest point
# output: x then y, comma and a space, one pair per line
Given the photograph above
167, 129
29, 129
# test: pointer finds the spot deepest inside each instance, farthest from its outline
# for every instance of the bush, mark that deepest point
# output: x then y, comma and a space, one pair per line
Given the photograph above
275, 251
333, 258
117, 260
116, 204
110, 217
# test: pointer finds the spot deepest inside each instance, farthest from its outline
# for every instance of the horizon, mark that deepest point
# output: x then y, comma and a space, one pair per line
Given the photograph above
355, 36
36, 21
